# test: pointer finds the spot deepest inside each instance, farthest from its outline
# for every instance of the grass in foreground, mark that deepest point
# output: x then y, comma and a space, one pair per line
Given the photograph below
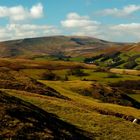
81, 111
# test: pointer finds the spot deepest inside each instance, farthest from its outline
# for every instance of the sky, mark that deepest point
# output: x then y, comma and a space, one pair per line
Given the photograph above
112, 20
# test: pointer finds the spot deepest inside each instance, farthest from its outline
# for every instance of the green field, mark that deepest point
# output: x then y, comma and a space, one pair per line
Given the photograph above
92, 75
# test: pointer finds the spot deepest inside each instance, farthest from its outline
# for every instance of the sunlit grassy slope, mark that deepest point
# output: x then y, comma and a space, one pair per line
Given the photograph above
92, 75
91, 118
135, 96
85, 112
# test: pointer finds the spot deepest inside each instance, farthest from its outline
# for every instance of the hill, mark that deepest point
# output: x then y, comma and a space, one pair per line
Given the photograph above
20, 120
74, 48
84, 107
125, 57
55, 45
51, 89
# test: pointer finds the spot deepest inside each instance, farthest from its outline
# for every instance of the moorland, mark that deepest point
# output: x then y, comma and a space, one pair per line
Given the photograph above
69, 88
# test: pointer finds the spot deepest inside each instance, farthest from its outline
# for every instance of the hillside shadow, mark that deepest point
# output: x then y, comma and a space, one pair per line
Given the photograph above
39, 124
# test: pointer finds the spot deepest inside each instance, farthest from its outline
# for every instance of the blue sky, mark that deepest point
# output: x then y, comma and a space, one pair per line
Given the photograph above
113, 20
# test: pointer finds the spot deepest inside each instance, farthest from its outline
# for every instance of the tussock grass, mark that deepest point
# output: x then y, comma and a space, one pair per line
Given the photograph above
64, 89
84, 112
125, 71
81, 112
18, 64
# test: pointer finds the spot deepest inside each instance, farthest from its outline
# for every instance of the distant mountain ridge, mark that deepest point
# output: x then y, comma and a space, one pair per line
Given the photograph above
69, 45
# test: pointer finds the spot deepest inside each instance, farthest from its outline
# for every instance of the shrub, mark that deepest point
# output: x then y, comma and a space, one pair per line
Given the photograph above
116, 63
101, 69
113, 75
66, 78
128, 84
87, 60
77, 72
50, 76
130, 65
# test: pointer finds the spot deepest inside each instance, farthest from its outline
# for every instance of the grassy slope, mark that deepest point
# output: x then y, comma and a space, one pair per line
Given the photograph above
135, 96
23, 120
100, 77
123, 59
103, 120
83, 112
77, 48
53, 46
32, 64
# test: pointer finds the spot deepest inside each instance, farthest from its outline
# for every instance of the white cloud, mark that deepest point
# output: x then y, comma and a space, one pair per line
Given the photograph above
80, 25
74, 20
36, 11
127, 27
18, 13
126, 32
74, 24
83, 25
19, 31
120, 32
124, 12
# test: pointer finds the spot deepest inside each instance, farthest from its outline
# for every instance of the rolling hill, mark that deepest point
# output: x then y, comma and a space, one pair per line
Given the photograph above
67, 99
55, 45
74, 48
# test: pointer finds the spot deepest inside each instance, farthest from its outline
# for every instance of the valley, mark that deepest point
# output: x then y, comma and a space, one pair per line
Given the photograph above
90, 90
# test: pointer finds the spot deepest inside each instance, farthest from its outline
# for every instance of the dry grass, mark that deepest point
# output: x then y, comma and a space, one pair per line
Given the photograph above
125, 71
65, 89
91, 115
32, 64
82, 112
